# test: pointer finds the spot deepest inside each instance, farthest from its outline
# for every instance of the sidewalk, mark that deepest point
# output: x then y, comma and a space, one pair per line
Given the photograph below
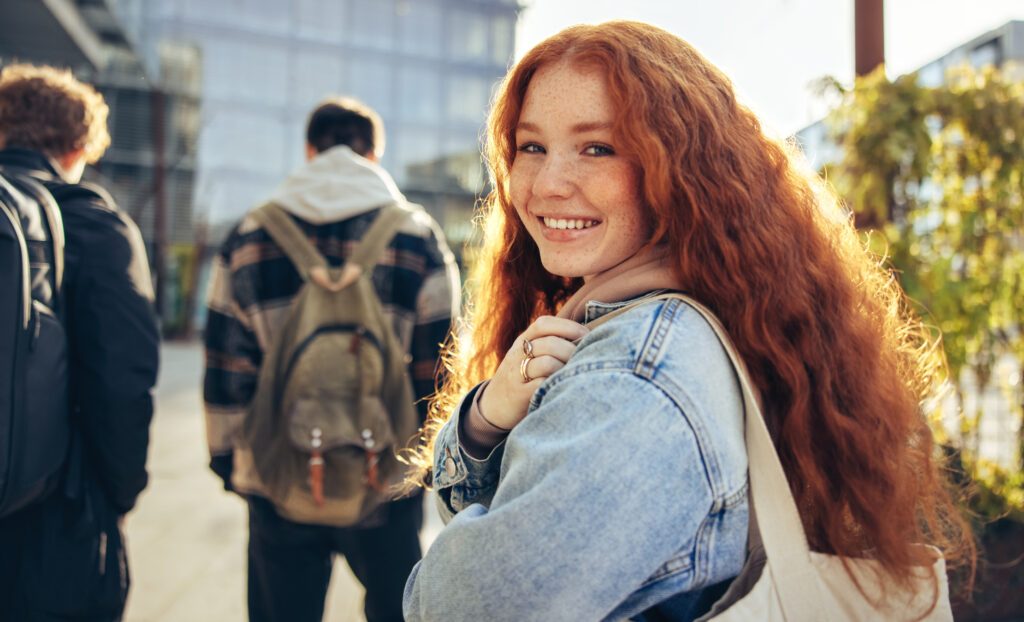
186, 536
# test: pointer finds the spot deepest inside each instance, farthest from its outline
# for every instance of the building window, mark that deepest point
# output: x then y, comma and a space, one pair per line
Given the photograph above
468, 36
419, 27
315, 75
931, 75
244, 140
468, 98
372, 23
246, 70
464, 163
319, 20
180, 65
502, 40
370, 81
131, 122
418, 155
267, 16
986, 54
419, 94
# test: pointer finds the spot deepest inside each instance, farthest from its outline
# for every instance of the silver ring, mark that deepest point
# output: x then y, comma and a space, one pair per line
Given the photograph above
527, 348
522, 369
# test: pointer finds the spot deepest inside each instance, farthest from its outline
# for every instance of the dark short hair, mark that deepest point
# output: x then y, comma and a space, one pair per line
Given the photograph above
346, 121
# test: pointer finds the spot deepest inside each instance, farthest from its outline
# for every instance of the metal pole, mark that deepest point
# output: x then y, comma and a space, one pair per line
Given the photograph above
159, 259
869, 35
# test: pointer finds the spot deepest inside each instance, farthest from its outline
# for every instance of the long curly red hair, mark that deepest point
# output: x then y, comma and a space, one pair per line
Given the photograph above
841, 364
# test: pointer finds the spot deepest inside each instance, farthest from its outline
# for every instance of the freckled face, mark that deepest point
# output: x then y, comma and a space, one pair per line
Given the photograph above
578, 199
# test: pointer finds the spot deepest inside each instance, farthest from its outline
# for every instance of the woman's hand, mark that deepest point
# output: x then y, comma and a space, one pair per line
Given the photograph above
550, 344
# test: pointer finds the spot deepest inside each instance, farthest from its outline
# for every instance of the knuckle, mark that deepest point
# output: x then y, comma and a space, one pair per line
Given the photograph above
543, 322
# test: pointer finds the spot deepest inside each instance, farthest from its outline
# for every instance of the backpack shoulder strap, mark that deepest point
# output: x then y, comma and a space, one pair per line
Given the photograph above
289, 237
367, 253
51, 214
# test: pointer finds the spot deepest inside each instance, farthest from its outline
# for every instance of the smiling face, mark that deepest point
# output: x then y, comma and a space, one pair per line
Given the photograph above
577, 197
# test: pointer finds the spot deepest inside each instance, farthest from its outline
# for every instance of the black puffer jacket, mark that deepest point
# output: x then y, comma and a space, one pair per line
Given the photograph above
112, 329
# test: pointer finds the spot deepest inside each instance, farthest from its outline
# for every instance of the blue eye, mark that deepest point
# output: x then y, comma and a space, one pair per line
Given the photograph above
530, 148
599, 150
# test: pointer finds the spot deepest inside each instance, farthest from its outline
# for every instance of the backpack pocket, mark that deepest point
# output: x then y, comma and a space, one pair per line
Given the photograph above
334, 414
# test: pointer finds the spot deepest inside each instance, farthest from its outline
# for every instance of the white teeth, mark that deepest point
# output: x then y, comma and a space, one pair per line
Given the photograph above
562, 223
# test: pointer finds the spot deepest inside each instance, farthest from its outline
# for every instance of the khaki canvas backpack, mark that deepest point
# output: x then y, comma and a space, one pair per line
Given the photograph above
334, 401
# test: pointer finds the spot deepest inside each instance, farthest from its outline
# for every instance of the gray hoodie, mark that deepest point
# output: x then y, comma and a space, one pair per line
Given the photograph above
335, 185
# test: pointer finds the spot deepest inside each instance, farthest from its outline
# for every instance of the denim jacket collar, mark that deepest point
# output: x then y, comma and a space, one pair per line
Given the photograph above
596, 308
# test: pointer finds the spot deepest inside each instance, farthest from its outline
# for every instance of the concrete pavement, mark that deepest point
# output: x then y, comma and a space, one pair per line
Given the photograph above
187, 536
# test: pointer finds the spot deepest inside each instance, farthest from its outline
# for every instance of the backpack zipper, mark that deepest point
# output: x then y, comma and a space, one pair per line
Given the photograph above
354, 328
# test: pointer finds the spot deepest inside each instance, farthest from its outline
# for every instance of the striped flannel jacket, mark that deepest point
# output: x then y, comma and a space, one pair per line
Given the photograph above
252, 285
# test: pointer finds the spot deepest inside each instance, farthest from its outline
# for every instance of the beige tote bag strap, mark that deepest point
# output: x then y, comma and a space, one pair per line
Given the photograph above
782, 532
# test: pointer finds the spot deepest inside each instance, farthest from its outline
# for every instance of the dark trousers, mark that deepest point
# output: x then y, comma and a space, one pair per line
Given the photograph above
53, 566
290, 563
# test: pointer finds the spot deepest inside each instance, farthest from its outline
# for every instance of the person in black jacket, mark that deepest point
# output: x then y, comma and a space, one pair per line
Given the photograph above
63, 558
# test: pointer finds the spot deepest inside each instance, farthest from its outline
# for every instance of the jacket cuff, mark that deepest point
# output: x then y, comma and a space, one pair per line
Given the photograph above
453, 465
477, 436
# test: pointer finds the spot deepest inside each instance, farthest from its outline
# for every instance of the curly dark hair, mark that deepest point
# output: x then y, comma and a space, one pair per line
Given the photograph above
49, 110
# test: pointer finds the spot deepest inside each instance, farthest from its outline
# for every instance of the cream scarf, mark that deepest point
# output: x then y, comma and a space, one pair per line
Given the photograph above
646, 271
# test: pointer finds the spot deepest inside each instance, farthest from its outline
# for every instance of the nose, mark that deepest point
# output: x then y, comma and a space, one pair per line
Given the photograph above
555, 178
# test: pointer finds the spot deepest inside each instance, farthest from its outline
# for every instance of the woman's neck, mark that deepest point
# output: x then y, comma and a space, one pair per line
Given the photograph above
648, 270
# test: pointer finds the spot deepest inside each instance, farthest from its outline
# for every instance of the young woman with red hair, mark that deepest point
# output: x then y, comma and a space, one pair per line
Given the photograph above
602, 474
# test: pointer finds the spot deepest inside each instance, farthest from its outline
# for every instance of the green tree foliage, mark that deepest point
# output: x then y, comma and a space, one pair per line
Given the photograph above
939, 174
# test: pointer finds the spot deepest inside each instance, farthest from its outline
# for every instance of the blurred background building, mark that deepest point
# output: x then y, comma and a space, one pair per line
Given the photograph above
1002, 47
427, 66
999, 431
150, 165
209, 100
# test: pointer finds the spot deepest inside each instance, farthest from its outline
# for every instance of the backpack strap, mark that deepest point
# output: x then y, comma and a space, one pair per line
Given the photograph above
311, 264
367, 254
290, 238
51, 214
54, 222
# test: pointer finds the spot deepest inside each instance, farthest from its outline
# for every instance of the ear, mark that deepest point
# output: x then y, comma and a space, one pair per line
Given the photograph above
311, 152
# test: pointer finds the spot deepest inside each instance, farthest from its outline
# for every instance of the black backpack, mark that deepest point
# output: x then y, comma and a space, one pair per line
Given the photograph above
35, 425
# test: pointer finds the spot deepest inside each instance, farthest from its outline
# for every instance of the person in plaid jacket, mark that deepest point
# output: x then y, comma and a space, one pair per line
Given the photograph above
333, 197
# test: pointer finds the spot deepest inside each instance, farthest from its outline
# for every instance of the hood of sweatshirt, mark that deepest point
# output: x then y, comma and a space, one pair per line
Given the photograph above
335, 185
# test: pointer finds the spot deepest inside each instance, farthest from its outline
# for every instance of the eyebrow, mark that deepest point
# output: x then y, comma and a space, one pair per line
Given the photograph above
579, 128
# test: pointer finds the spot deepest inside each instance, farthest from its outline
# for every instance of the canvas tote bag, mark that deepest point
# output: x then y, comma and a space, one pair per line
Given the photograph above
782, 579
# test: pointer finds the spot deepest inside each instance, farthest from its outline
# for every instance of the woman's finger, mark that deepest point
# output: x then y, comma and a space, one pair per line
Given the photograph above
539, 368
556, 347
549, 325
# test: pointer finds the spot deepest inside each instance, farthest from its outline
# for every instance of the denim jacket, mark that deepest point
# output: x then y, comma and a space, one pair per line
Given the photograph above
625, 485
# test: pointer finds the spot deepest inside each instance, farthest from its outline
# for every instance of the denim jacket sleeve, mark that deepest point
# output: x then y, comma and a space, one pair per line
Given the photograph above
459, 478
601, 483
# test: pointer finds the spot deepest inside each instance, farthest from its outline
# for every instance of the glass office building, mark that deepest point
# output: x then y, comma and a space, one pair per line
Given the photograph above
427, 66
